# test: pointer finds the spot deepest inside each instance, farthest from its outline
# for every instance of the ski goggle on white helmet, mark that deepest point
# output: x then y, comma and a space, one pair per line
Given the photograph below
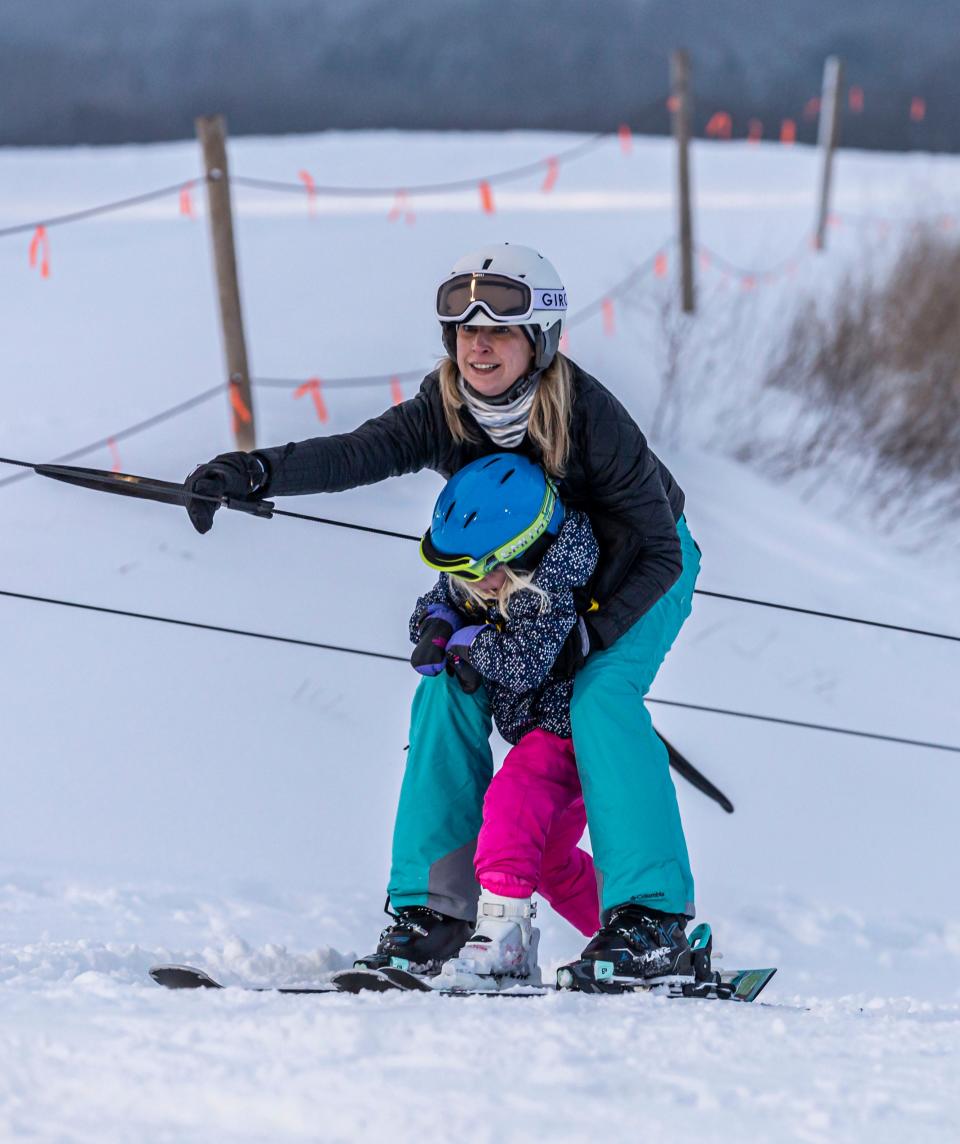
503, 285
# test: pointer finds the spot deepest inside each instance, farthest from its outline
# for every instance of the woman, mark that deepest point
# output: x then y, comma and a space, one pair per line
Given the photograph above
506, 386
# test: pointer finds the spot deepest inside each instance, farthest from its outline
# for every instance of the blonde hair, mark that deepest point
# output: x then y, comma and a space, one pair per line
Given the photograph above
514, 582
549, 424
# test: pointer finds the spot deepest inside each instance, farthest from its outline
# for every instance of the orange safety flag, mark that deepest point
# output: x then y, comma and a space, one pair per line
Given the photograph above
186, 201
625, 135
609, 318
115, 454
395, 391
553, 171
855, 99
486, 197
720, 125
313, 388
307, 179
660, 265
788, 131
918, 109
401, 206
755, 131
239, 405
40, 248
811, 109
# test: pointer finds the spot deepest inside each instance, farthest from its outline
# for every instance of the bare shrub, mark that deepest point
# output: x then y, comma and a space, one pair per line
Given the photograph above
876, 369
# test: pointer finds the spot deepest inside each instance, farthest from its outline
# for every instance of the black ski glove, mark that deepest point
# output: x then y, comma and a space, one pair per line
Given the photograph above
466, 674
242, 476
576, 647
458, 657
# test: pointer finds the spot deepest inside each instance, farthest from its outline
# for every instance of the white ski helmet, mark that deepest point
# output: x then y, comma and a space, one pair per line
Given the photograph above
504, 285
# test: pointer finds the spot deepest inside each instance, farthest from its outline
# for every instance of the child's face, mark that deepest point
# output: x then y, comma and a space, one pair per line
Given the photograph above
492, 582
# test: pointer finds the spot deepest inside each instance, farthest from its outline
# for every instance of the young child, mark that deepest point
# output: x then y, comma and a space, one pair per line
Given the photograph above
511, 558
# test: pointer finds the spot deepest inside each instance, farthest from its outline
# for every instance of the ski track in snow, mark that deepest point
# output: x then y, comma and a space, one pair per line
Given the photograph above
186, 797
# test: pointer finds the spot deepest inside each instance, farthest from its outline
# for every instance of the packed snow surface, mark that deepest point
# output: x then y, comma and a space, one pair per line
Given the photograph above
178, 795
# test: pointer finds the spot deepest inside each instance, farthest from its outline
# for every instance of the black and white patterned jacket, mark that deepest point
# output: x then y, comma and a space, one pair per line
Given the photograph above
516, 653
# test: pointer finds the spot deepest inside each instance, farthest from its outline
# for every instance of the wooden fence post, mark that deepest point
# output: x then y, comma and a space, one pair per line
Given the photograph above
828, 138
212, 133
680, 110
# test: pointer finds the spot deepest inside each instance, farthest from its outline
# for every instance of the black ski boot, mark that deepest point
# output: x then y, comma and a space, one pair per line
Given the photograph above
638, 948
420, 940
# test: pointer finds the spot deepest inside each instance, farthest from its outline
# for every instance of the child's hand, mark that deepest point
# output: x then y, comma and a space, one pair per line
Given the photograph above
458, 657
461, 641
467, 676
436, 629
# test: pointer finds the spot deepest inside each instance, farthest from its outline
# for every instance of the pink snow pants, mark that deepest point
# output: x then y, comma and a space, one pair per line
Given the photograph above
533, 818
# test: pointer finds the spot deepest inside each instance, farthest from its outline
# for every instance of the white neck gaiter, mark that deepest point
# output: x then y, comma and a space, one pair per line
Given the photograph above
505, 424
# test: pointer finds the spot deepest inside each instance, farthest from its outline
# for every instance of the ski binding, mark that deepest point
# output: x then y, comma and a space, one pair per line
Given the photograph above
590, 976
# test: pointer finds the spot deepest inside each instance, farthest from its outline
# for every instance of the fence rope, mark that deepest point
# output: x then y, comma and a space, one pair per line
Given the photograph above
103, 208
508, 175
130, 431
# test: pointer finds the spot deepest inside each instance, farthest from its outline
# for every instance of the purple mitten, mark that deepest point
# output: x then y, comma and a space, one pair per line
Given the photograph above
443, 612
461, 641
436, 627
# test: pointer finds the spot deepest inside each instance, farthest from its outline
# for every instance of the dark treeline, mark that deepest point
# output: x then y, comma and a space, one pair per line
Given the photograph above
110, 71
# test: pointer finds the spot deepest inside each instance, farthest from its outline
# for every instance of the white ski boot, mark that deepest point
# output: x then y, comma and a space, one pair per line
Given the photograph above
501, 954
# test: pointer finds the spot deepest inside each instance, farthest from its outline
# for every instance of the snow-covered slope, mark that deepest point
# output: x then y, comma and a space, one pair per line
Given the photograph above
171, 794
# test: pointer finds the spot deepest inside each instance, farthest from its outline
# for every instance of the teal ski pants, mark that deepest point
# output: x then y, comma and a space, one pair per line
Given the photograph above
638, 845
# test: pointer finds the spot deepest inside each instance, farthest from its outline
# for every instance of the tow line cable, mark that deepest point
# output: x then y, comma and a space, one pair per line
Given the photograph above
169, 492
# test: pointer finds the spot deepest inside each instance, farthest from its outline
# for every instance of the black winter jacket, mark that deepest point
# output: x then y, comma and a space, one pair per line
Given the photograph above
632, 500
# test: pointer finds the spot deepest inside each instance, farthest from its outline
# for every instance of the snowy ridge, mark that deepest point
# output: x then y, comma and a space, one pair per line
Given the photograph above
54, 910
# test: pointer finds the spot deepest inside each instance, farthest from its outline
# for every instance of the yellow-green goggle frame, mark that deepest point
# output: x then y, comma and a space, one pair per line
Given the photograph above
468, 568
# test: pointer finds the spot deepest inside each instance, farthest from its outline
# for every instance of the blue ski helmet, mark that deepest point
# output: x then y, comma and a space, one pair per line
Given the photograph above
496, 510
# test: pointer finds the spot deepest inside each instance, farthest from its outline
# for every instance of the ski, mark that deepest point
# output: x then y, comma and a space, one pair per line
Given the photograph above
361, 980
591, 976
392, 978
187, 977
743, 985
746, 984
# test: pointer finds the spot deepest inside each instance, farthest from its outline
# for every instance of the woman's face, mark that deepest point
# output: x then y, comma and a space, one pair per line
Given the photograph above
492, 358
